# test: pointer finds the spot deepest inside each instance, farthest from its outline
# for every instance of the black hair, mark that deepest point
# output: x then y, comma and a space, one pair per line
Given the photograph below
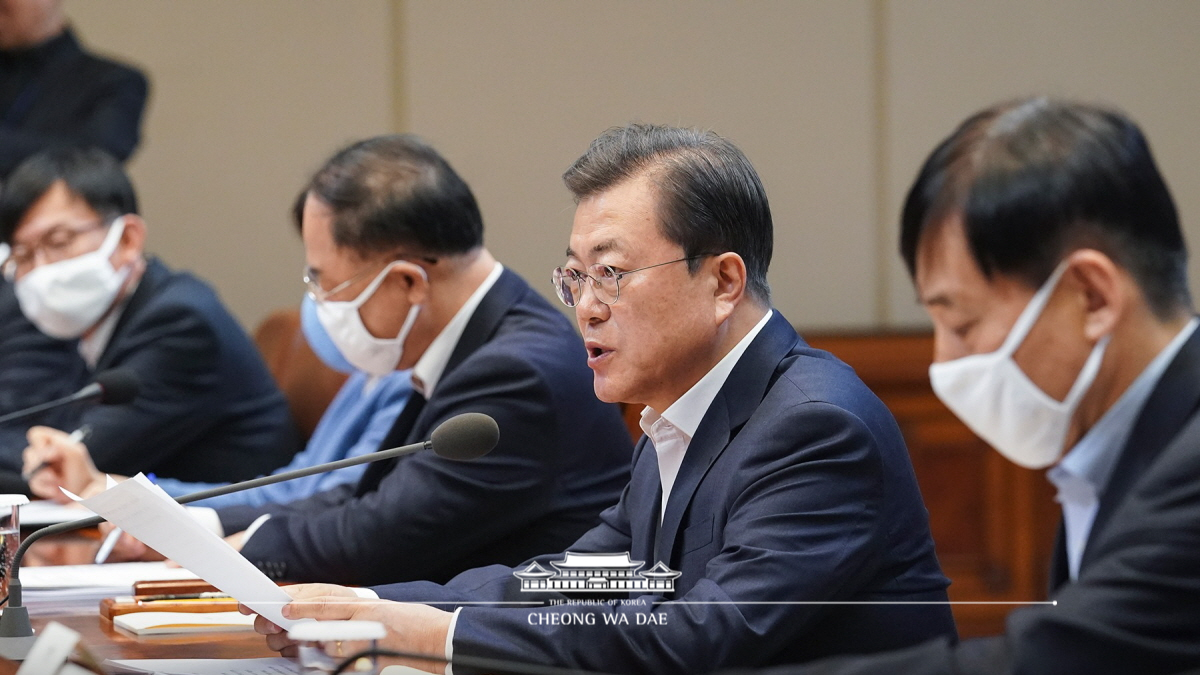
1037, 178
711, 199
395, 192
92, 174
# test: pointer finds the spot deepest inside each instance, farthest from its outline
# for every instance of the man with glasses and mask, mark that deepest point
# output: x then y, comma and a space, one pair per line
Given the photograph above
401, 279
772, 483
1046, 248
207, 408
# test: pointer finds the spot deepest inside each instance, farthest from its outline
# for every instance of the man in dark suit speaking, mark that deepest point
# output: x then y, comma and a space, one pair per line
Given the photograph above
772, 485
1046, 248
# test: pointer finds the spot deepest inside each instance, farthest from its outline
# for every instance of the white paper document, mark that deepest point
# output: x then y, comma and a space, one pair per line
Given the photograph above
268, 666
171, 623
145, 511
42, 512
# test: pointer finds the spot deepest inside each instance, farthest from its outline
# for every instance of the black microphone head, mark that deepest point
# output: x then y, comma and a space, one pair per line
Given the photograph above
117, 386
465, 437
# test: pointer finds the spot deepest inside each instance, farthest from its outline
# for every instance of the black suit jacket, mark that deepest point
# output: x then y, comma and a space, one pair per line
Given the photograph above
794, 518
208, 408
60, 95
1135, 607
34, 369
562, 458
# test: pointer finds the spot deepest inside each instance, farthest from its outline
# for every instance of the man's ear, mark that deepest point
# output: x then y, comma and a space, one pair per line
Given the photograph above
133, 240
1107, 291
413, 278
729, 272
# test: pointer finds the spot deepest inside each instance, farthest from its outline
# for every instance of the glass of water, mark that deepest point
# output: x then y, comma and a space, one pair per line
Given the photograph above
10, 536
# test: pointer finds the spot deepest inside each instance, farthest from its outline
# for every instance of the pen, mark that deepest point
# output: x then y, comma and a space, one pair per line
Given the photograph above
184, 596
107, 547
80, 435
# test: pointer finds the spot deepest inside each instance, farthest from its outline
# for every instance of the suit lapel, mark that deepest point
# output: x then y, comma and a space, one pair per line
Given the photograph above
734, 404
1173, 401
482, 325
400, 431
647, 487
154, 276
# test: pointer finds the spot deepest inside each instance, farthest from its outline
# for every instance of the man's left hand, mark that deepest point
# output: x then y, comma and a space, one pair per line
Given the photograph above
411, 628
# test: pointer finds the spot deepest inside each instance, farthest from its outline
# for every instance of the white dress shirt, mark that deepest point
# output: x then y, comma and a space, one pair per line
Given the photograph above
673, 429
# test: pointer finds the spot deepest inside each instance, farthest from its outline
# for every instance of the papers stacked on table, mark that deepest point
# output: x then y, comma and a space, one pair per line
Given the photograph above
69, 588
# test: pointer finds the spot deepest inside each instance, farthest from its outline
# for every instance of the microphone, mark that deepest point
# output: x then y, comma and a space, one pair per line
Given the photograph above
461, 438
111, 387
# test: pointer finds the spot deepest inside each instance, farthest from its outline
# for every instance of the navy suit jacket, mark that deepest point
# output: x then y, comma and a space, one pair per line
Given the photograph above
34, 369
796, 487
207, 409
563, 457
1135, 607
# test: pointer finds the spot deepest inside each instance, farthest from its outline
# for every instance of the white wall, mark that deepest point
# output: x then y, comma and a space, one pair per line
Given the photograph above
835, 101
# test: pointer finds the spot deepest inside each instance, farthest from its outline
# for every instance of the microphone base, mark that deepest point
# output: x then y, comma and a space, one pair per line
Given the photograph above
16, 633
16, 648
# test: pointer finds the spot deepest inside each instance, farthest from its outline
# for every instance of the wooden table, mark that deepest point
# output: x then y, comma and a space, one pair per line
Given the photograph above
107, 642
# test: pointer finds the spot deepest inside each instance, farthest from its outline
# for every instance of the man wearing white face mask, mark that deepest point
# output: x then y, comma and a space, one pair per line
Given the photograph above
1046, 248
208, 409
393, 241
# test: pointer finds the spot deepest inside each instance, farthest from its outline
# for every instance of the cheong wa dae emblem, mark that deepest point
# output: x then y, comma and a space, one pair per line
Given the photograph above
597, 572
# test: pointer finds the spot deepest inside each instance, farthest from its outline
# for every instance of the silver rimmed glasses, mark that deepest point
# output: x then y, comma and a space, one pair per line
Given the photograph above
606, 281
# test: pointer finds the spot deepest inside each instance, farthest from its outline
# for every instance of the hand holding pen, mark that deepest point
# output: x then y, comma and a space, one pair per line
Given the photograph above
56, 459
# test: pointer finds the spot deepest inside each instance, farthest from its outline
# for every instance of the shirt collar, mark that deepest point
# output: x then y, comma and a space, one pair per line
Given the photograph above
431, 365
688, 410
1095, 455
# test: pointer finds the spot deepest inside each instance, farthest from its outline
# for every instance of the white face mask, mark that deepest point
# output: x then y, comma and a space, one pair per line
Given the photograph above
66, 298
993, 396
372, 355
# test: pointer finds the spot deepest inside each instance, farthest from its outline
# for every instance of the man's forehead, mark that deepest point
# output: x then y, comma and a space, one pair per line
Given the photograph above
60, 211
593, 249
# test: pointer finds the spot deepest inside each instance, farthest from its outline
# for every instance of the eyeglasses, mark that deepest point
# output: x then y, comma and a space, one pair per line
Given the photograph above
606, 281
54, 246
312, 278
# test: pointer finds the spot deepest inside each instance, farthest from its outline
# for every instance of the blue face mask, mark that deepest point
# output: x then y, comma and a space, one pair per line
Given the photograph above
319, 340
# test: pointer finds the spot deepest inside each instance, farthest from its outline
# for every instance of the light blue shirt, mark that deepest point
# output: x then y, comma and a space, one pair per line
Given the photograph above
1084, 472
354, 424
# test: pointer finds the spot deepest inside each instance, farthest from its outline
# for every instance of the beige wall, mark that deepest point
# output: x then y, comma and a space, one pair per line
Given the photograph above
835, 102
947, 58
247, 98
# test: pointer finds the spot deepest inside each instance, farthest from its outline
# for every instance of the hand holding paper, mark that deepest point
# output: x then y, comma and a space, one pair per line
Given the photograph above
145, 511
